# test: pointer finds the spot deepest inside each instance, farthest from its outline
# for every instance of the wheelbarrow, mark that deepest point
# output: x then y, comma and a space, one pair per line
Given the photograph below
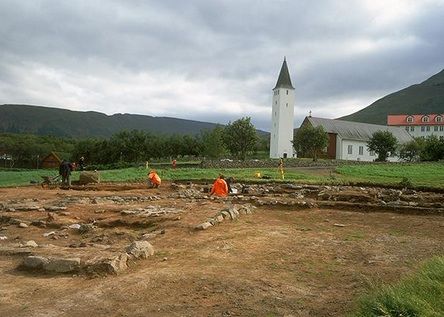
49, 181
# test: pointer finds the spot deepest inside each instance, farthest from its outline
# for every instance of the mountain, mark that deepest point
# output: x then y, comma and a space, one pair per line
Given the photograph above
67, 123
426, 97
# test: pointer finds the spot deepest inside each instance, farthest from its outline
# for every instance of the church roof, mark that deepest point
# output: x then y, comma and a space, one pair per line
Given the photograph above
284, 80
357, 130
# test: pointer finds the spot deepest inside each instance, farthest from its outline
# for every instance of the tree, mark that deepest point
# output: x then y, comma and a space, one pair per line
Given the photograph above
411, 150
382, 143
310, 140
240, 137
433, 149
213, 143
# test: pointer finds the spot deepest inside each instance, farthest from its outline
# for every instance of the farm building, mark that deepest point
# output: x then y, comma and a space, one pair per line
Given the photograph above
50, 161
348, 140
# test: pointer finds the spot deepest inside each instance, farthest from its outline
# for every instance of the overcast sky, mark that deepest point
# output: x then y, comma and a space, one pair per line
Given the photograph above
215, 60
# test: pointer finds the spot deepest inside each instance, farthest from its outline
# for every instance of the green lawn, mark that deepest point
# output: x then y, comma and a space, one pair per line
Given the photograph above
429, 175
419, 174
421, 294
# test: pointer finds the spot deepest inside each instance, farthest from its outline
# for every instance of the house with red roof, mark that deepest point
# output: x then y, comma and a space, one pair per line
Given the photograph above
419, 125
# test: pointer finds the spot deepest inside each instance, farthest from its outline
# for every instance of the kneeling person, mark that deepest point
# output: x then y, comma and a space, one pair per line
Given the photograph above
154, 179
220, 187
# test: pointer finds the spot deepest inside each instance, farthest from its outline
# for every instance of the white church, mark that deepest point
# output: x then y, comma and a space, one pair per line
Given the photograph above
346, 140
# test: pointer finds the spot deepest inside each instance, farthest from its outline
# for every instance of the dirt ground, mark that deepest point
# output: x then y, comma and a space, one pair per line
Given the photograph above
291, 257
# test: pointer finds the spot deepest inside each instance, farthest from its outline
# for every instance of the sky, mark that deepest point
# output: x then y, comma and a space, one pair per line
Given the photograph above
215, 61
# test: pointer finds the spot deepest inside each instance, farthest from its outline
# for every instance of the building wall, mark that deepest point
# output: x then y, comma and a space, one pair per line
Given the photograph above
282, 123
359, 151
418, 131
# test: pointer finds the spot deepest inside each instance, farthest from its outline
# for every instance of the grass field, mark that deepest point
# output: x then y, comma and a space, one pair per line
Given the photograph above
429, 175
421, 294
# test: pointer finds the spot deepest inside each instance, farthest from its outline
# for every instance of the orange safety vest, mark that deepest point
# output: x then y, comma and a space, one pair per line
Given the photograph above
220, 188
154, 178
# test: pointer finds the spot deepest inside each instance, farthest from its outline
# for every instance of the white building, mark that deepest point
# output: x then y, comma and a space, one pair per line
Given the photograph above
419, 125
348, 140
282, 116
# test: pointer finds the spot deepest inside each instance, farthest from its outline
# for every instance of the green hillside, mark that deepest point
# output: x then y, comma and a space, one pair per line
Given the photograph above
427, 97
67, 123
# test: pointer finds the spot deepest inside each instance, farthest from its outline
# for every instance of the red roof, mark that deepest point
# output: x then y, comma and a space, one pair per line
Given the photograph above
415, 119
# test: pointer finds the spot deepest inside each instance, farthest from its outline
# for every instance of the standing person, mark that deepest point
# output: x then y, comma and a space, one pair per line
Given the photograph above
65, 169
281, 168
82, 163
154, 179
174, 163
220, 187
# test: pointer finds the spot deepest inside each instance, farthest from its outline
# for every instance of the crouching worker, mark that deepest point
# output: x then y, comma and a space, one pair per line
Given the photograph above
220, 187
153, 179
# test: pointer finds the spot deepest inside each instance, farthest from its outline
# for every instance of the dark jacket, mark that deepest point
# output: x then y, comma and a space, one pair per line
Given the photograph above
65, 168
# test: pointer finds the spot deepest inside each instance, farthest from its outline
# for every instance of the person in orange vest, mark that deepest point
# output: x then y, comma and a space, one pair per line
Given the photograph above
220, 187
154, 179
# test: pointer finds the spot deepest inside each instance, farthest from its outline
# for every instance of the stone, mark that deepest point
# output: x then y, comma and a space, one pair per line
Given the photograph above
149, 236
74, 226
112, 265
31, 244
23, 225
203, 226
89, 177
55, 208
338, 225
3, 238
140, 249
225, 214
35, 262
48, 234
60, 265
219, 218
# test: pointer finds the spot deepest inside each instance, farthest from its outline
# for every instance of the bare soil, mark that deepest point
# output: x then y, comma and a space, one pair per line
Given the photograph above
285, 259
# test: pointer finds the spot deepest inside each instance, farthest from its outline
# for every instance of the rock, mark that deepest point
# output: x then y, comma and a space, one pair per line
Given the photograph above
51, 217
3, 238
219, 218
48, 234
203, 226
225, 214
31, 244
113, 265
89, 178
39, 223
86, 227
62, 265
149, 236
23, 225
35, 262
74, 226
338, 225
140, 249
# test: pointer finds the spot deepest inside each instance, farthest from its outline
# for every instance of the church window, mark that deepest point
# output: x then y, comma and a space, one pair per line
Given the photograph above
276, 102
350, 149
441, 128
410, 119
428, 128
287, 91
372, 153
422, 128
412, 129
361, 150
287, 104
435, 128
425, 119
275, 113
438, 119
407, 129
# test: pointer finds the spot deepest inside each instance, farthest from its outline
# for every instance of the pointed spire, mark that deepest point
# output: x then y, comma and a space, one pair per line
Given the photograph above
284, 80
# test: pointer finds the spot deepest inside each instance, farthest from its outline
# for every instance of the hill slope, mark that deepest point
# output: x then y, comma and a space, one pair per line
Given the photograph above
67, 123
426, 97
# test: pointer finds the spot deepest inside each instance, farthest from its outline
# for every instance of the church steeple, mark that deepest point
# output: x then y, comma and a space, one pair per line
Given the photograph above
284, 80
